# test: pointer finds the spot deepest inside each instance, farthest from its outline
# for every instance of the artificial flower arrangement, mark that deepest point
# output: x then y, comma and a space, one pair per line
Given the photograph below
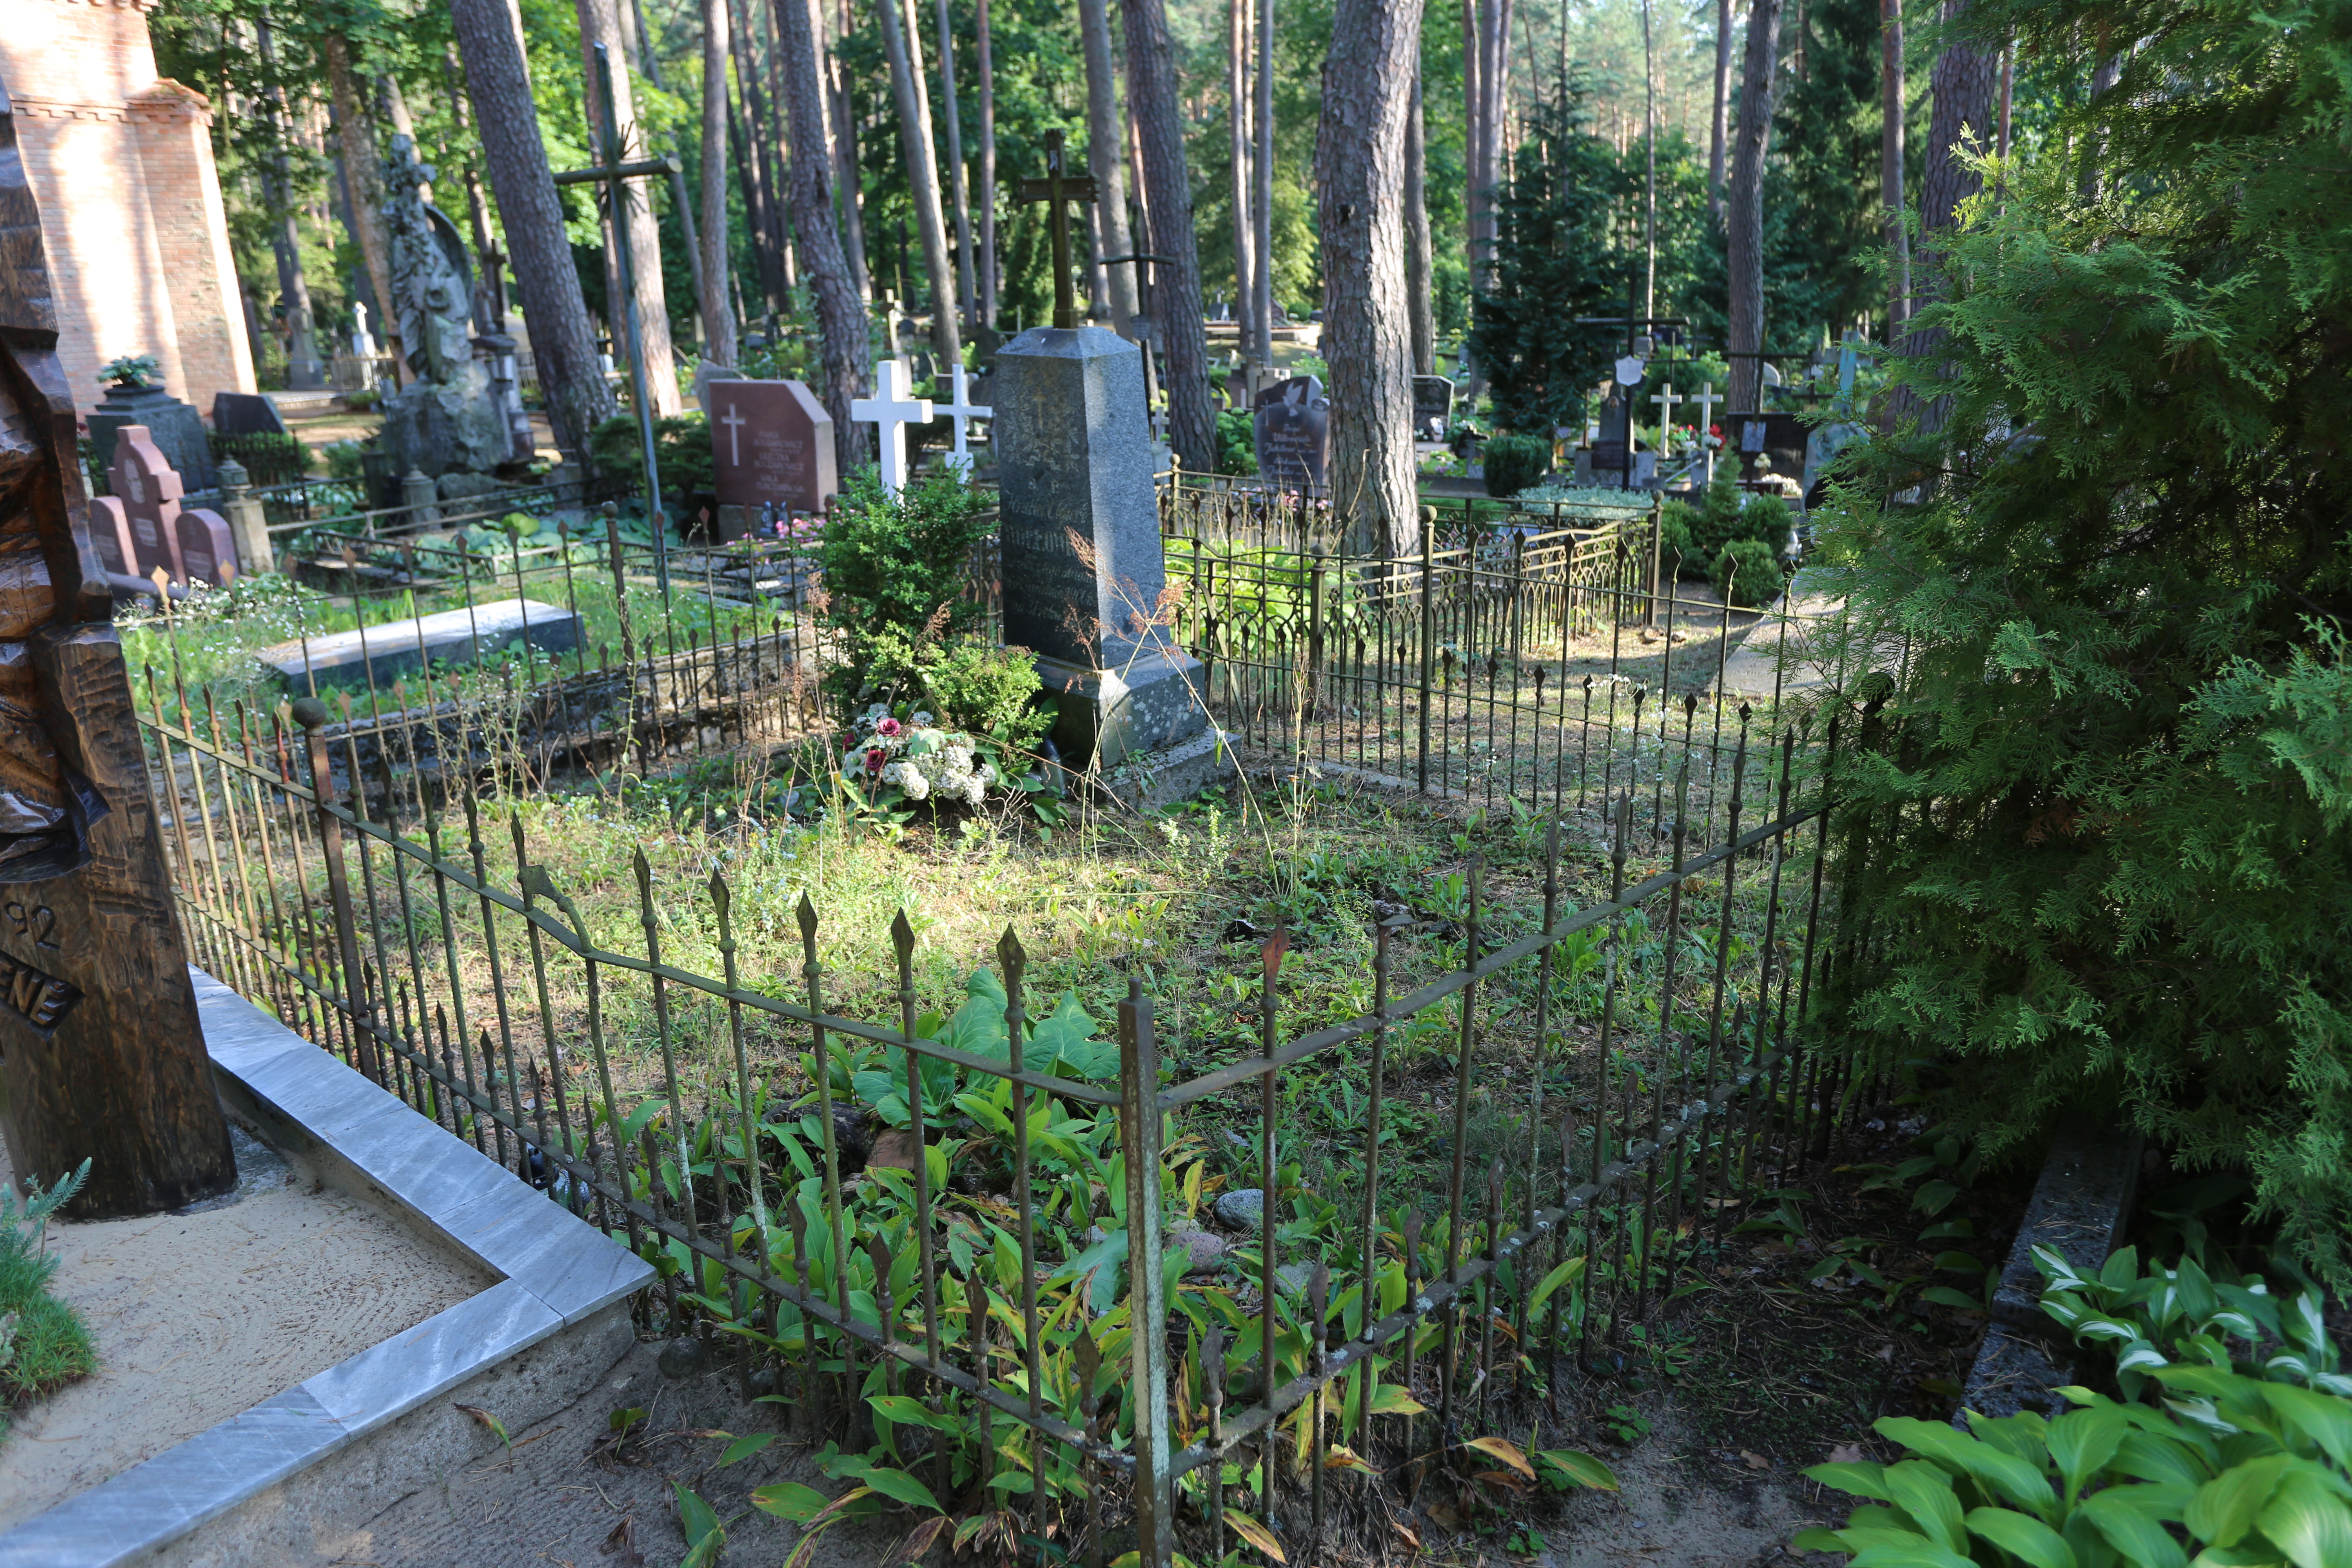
918, 760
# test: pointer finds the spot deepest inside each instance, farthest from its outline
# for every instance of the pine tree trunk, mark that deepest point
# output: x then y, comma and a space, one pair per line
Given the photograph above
286, 238
1722, 109
1890, 169
363, 169
1474, 143
840, 314
718, 311
1176, 298
1367, 327
749, 138
1744, 202
1417, 259
966, 301
563, 343
1963, 81
846, 173
1106, 161
1237, 127
905, 47
1262, 214
632, 214
985, 63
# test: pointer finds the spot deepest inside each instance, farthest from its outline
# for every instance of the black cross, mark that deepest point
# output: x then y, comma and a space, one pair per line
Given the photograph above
1054, 190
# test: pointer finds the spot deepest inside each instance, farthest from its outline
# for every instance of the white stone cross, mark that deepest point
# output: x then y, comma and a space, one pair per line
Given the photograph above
1666, 400
734, 422
1706, 400
890, 410
956, 412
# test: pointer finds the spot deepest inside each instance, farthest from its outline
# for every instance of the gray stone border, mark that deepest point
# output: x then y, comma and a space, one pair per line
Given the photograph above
556, 1271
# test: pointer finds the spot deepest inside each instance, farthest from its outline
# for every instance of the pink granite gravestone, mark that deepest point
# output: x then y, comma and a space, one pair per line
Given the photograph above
772, 443
205, 548
109, 534
149, 492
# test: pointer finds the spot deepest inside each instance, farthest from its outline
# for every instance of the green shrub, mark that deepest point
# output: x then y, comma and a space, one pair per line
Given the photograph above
681, 446
896, 570
365, 400
344, 458
2111, 804
1747, 573
2241, 1459
1515, 462
1678, 553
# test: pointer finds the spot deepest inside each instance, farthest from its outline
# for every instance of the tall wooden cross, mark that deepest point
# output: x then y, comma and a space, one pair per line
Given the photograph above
1054, 189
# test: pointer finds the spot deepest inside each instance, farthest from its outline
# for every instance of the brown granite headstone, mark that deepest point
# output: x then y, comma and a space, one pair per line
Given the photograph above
771, 444
109, 534
101, 1052
206, 549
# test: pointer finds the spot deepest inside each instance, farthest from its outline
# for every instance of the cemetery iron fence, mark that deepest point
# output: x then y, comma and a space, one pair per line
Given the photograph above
1004, 1311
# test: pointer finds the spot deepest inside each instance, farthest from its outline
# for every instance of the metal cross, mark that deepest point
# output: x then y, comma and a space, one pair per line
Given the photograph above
1706, 400
956, 412
1054, 189
892, 409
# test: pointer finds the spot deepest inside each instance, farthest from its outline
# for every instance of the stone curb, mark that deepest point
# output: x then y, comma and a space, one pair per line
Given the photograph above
556, 1270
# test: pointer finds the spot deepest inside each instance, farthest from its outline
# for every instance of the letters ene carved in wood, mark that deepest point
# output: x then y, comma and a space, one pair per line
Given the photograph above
41, 1000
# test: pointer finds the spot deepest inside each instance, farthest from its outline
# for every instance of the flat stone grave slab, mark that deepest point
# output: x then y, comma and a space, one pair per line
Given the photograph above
399, 648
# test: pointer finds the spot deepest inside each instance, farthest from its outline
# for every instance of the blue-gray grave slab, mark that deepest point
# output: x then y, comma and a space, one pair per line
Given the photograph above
400, 648
1082, 563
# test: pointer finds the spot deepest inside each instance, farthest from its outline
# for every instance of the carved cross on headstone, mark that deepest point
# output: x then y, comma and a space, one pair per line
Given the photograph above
892, 409
1054, 189
734, 422
956, 412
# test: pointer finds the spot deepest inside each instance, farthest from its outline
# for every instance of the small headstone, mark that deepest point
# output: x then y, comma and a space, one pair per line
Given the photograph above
1292, 423
1613, 450
246, 414
1776, 439
1432, 406
207, 553
110, 534
149, 492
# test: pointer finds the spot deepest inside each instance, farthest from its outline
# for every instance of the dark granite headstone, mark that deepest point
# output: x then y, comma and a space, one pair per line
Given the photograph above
771, 444
149, 492
1775, 435
1613, 448
177, 430
1433, 407
208, 554
1292, 423
246, 414
1081, 555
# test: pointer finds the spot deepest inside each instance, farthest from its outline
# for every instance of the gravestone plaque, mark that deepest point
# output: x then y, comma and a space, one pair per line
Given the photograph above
246, 414
101, 1054
771, 442
149, 492
1292, 424
1433, 407
207, 553
1082, 563
110, 536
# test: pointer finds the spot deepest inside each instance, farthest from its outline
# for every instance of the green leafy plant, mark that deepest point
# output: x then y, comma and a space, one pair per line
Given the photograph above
681, 446
131, 372
896, 570
1237, 442
43, 1341
342, 459
1748, 571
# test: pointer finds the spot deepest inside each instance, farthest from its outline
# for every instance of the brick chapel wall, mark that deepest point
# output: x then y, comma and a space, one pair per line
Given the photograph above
121, 164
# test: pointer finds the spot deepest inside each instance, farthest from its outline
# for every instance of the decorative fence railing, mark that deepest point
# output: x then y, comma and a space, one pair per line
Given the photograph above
669, 1066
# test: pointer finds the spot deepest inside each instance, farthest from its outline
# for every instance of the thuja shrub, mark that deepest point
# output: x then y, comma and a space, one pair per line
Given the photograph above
2104, 826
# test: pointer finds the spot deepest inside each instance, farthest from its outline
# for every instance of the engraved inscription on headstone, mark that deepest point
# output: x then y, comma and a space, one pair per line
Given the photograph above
149, 492
771, 442
1292, 424
109, 534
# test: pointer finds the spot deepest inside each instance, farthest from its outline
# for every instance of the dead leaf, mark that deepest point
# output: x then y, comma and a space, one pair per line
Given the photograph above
895, 1148
1445, 1516
1846, 1453
497, 1426
1503, 1448
1754, 1461
624, 1540
918, 1540
1257, 1534
1410, 1538
1508, 1480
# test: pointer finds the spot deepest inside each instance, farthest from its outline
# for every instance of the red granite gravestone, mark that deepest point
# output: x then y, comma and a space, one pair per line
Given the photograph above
149, 492
770, 443
109, 534
205, 548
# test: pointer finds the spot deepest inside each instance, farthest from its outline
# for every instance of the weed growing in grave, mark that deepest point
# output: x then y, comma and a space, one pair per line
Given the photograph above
43, 1341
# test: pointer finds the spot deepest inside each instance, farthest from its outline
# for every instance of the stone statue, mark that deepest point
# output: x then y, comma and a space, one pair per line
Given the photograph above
446, 422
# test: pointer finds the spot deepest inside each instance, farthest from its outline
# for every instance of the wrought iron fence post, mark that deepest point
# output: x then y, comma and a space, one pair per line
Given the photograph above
1428, 645
312, 714
1138, 1129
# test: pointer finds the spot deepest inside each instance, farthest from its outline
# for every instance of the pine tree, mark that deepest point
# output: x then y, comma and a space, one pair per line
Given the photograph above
2104, 824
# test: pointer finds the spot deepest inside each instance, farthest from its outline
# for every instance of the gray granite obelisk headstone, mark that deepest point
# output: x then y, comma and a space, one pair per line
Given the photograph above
1083, 568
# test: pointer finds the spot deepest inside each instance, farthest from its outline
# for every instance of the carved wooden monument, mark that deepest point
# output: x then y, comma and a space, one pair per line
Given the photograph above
101, 1056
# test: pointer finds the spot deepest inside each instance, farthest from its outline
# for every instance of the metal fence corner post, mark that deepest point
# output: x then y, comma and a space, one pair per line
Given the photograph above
312, 715
1138, 1127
